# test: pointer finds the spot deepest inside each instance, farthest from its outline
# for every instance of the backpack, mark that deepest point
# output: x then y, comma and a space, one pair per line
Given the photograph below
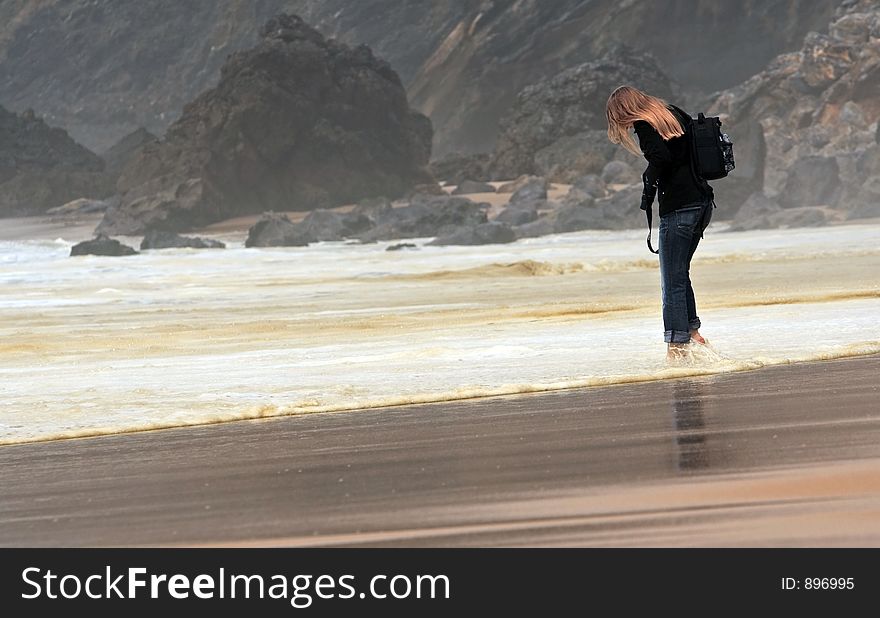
712, 150
711, 155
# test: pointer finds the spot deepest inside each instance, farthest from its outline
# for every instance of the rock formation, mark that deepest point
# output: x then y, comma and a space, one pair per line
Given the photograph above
160, 239
41, 167
101, 245
805, 128
102, 69
296, 123
557, 127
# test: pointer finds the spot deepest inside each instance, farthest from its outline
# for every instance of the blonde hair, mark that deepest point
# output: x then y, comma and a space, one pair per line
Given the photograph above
626, 105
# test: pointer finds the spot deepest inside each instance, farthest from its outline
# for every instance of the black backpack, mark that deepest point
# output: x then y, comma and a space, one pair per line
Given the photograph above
712, 150
711, 155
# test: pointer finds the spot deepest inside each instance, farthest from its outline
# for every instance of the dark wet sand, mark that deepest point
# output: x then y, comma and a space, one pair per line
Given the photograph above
782, 456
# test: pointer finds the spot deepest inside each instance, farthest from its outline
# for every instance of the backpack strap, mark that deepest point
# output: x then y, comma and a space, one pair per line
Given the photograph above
649, 216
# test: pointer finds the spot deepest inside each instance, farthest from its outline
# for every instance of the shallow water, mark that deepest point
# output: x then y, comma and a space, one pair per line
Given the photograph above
95, 345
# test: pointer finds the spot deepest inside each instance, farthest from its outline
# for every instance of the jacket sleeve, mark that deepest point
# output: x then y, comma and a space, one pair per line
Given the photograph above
657, 155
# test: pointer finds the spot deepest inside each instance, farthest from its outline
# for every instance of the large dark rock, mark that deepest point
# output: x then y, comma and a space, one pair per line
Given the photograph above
41, 167
324, 224
298, 122
570, 106
276, 230
534, 188
590, 184
161, 239
101, 245
579, 211
426, 216
520, 213
489, 233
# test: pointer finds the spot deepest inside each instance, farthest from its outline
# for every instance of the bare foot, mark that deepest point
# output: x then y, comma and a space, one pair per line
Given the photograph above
696, 336
676, 352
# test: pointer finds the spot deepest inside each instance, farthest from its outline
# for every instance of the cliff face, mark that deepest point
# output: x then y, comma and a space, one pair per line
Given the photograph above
295, 123
103, 68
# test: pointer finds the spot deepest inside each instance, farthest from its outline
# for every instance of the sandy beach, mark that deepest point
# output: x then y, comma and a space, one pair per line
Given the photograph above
784, 456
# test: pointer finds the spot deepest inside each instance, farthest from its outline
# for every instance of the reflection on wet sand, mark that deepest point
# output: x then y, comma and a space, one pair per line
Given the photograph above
690, 424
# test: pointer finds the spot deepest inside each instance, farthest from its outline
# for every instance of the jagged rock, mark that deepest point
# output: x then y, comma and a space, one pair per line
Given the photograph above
160, 239
618, 172
456, 168
119, 154
82, 206
489, 233
580, 211
377, 208
101, 245
571, 104
41, 167
427, 216
401, 245
534, 188
324, 224
276, 230
807, 216
590, 184
472, 186
296, 123
801, 125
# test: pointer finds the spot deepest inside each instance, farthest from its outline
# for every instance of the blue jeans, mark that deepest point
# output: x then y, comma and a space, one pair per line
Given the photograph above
680, 233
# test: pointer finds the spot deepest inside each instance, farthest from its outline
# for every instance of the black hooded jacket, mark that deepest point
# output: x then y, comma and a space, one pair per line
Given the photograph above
669, 168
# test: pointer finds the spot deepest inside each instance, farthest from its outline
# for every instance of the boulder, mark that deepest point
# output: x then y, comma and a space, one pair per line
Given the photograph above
515, 185
296, 123
82, 206
426, 216
619, 173
101, 245
489, 233
324, 224
430, 188
520, 213
570, 107
472, 186
401, 245
276, 230
590, 184
535, 188
161, 239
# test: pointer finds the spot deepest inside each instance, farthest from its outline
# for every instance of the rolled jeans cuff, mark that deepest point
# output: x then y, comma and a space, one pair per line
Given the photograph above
676, 336
695, 324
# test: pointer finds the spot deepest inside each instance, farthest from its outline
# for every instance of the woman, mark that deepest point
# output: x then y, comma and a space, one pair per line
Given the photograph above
686, 201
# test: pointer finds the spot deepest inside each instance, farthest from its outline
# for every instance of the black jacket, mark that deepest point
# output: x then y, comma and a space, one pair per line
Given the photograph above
669, 168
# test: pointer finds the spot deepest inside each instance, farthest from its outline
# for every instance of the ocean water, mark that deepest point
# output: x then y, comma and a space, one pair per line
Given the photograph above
96, 345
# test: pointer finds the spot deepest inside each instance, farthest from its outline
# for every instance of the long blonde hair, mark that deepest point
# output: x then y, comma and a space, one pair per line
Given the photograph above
626, 105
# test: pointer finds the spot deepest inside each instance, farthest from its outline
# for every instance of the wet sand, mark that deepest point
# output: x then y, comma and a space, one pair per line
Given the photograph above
783, 456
